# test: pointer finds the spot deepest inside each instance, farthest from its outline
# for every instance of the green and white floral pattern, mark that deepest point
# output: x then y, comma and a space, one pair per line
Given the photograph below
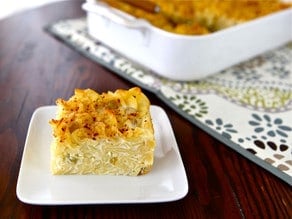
247, 106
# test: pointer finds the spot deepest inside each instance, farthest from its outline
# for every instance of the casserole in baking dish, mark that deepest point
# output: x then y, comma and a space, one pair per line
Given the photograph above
180, 55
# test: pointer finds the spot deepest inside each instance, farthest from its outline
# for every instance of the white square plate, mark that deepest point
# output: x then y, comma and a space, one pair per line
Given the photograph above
167, 180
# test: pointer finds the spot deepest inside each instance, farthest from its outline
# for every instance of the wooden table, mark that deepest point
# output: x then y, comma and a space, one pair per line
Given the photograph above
35, 69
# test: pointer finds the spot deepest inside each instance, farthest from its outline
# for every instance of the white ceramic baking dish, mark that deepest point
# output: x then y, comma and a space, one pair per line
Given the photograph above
183, 57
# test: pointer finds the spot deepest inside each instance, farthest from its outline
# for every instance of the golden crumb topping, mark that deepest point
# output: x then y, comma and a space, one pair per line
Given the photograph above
197, 17
89, 115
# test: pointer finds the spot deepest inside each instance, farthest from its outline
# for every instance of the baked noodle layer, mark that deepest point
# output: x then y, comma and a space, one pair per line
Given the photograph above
109, 133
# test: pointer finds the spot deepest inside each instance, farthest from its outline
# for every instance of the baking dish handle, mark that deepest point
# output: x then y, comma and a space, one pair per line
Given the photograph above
115, 15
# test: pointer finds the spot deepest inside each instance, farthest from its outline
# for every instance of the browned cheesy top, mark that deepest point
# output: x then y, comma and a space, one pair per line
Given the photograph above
88, 114
197, 17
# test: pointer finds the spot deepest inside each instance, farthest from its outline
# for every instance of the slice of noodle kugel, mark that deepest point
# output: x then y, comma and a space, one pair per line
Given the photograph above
108, 133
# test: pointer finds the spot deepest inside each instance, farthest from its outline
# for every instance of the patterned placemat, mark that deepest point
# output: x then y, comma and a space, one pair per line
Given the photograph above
248, 106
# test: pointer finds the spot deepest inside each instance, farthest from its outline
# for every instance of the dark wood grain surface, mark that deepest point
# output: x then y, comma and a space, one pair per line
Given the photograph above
35, 69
